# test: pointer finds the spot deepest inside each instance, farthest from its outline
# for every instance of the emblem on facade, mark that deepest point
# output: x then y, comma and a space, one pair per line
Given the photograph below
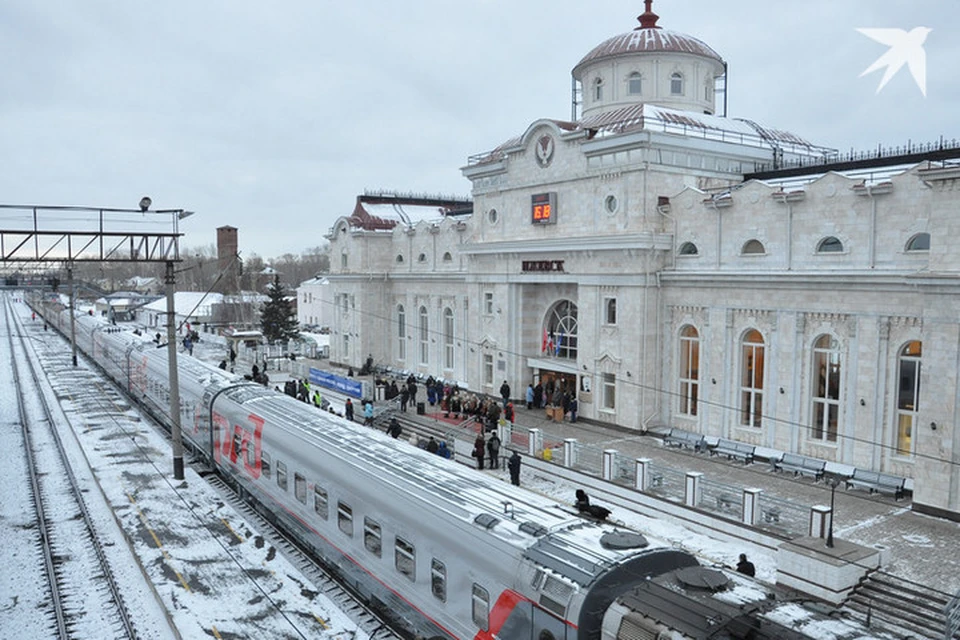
544, 148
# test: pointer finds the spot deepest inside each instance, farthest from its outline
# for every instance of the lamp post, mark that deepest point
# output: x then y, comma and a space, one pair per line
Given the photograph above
834, 483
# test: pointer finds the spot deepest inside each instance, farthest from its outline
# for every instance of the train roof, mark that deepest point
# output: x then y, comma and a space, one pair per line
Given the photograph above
536, 526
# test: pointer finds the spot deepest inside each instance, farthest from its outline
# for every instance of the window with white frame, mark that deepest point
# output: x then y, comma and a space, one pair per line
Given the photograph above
608, 391
908, 396
826, 389
561, 331
401, 333
448, 338
635, 83
488, 369
610, 311
751, 379
488, 303
689, 370
345, 518
371, 536
424, 337
320, 503
676, 83
438, 579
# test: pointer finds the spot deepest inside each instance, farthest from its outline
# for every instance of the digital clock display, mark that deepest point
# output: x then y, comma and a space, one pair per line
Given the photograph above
543, 208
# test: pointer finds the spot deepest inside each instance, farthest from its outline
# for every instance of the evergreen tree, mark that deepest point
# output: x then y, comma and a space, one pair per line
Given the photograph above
277, 319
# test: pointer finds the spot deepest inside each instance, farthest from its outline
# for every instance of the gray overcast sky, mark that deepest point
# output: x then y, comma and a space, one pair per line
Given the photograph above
272, 117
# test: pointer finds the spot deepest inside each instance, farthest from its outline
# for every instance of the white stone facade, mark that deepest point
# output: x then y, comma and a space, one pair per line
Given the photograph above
819, 315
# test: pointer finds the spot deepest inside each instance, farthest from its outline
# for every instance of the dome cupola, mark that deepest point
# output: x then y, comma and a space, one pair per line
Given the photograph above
649, 65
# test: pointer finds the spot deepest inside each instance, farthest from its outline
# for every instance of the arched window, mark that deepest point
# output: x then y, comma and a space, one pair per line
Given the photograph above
676, 83
424, 337
689, 370
447, 257
688, 249
598, 89
635, 83
753, 247
422, 257
399, 258
560, 330
919, 242
448, 338
830, 244
401, 333
826, 389
751, 379
343, 260
908, 395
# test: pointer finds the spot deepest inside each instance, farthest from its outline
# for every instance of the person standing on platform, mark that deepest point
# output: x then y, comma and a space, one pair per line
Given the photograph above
404, 398
529, 397
479, 449
574, 405
368, 413
493, 448
514, 466
348, 410
505, 393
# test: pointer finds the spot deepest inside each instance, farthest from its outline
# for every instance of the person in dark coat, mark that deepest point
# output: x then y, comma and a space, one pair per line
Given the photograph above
432, 445
493, 448
394, 430
513, 464
223, 365
348, 410
746, 567
505, 393
479, 450
538, 396
404, 399
594, 511
442, 450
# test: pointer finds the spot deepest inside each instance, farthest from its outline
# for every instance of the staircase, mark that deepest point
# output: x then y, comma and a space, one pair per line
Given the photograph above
898, 605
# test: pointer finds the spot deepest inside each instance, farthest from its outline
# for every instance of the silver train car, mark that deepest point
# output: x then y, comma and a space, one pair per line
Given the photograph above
445, 551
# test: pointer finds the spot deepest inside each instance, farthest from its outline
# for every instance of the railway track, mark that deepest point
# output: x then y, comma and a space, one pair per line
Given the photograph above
68, 543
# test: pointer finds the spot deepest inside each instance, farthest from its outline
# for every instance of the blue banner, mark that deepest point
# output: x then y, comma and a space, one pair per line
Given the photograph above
349, 386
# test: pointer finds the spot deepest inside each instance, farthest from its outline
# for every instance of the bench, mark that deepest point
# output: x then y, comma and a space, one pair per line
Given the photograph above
681, 438
733, 449
876, 482
801, 465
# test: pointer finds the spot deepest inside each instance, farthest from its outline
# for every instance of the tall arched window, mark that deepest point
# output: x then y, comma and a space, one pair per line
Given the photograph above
751, 379
826, 389
689, 370
635, 83
560, 330
401, 333
424, 337
448, 338
908, 395
598, 89
676, 83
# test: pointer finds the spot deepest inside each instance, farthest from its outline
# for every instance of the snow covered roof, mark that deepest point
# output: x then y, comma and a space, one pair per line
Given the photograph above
192, 303
383, 212
652, 40
648, 117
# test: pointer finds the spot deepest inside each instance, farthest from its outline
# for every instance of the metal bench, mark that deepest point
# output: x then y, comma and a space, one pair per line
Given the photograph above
801, 465
733, 449
682, 439
876, 482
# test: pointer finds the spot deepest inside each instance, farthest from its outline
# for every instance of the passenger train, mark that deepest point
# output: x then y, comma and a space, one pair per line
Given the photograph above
446, 551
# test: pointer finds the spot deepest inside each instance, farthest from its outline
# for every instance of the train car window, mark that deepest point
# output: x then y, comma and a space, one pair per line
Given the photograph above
320, 502
345, 518
300, 487
237, 446
250, 457
281, 475
371, 536
481, 607
265, 464
438, 580
405, 558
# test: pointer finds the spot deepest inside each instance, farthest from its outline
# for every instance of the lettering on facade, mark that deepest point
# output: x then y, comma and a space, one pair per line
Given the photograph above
542, 265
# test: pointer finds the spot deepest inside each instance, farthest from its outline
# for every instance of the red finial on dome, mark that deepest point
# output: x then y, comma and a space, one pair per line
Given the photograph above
648, 19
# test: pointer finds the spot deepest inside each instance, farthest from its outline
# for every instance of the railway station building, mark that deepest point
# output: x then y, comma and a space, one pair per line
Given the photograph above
680, 268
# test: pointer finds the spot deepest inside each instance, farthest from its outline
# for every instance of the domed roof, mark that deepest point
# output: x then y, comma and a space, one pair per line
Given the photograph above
648, 38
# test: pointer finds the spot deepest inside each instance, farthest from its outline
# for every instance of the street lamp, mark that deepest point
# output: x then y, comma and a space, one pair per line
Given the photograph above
834, 483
